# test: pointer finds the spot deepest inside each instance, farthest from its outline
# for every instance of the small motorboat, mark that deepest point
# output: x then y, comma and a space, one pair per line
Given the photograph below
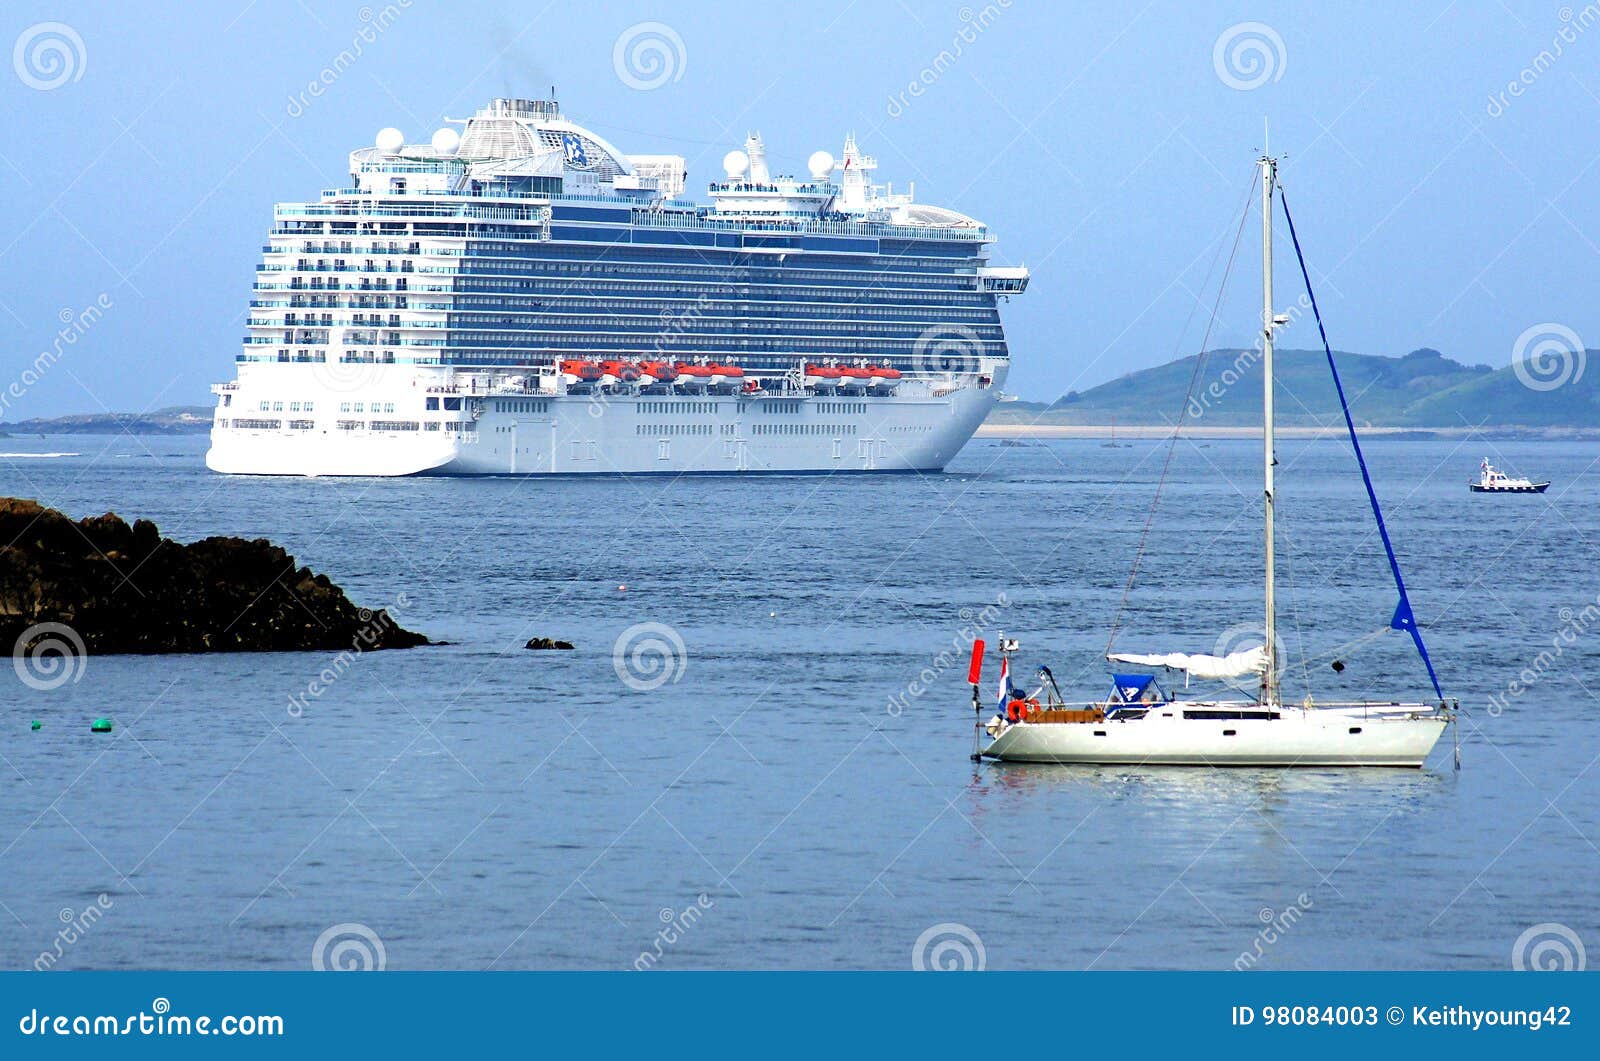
1492, 480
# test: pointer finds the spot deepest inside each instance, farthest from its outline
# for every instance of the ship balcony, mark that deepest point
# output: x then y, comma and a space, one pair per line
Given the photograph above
1003, 280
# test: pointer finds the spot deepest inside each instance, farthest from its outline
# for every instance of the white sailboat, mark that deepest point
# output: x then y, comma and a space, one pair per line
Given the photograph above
1138, 723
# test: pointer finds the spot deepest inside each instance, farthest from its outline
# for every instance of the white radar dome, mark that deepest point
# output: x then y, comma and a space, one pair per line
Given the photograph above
390, 140
821, 165
735, 163
446, 140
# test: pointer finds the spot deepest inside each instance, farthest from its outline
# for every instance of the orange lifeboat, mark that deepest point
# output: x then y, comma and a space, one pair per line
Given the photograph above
692, 377
884, 379
851, 377
721, 374
614, 372
653, 372
822, 377
576, 371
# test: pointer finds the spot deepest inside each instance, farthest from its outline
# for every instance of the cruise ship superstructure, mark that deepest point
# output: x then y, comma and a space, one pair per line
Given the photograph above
522, 298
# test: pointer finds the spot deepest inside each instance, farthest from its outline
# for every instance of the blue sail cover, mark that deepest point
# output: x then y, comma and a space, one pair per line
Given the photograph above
1404, 618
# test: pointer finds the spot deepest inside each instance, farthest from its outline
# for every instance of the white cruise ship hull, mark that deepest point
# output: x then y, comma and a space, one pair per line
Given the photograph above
532, 432
1316, 738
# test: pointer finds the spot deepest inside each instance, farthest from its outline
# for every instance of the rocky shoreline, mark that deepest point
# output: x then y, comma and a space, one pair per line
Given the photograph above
99, 585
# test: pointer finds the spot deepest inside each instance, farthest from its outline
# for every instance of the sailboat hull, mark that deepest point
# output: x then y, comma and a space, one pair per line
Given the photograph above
1317, 738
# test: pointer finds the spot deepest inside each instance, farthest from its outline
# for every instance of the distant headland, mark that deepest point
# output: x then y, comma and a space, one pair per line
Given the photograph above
1423, 392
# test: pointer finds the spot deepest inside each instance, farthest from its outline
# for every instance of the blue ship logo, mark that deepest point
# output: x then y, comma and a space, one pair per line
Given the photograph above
573, 146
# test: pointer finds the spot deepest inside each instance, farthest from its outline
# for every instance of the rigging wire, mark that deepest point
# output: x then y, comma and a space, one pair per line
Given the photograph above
1177, 430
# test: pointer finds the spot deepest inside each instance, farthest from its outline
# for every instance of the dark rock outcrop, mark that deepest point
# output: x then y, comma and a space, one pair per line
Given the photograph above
128, 589
547, 643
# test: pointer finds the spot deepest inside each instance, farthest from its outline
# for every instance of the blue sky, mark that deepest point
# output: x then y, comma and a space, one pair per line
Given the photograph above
1109, 146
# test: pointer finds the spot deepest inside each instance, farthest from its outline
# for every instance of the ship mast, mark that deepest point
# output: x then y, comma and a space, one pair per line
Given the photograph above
1269, 176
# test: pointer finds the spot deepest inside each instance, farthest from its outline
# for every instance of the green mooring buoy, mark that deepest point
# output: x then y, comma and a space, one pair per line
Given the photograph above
36, 724
100, 725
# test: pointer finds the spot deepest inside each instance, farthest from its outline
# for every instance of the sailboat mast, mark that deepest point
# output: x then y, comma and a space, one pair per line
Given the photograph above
1269, 176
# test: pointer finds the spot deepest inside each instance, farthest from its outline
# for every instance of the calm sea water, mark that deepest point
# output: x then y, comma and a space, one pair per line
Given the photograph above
786, 799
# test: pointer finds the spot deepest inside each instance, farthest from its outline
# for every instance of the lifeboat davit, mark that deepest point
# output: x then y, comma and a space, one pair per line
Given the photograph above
822, 377
575, 372
692, 377
614, 372
656, 372
851, 378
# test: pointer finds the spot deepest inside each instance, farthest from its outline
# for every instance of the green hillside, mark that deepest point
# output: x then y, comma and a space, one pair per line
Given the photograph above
1423, 389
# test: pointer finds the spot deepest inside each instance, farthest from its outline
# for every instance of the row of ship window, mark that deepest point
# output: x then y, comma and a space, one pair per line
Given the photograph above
294, 407
673, 429
886, 280
704, 288
450, 427
679, 309
806, 429
676, 407
540, 251
828, 316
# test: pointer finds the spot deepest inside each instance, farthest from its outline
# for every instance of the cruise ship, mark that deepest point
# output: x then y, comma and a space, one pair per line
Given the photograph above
519, 297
